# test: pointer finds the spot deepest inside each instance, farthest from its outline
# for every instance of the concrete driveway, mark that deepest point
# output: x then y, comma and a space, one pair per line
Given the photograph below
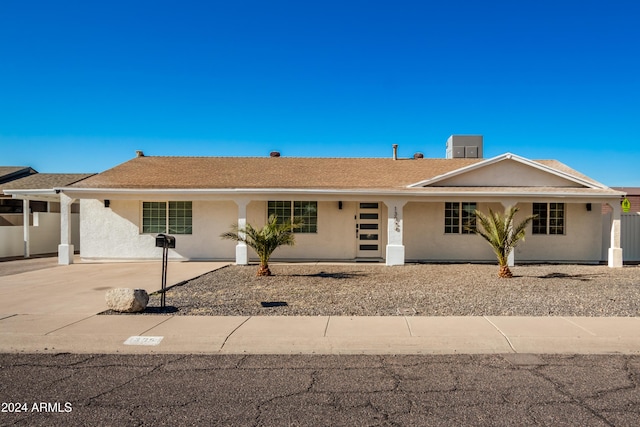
41, 286
51, 308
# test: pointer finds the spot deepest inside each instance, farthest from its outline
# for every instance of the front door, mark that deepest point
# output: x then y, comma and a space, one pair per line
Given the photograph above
368, 231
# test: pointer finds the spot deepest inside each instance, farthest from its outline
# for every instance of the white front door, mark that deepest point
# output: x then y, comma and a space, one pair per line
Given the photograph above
368, 234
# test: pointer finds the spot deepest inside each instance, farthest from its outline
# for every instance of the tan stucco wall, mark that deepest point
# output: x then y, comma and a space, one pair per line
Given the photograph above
334, 240
582, 240
425, 239
508, 173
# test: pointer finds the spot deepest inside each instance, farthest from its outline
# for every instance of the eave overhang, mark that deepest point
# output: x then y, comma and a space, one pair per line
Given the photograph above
413, 193
46, 194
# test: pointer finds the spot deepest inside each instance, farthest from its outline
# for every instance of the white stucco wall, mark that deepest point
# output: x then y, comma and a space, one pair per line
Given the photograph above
115, 232
44, 235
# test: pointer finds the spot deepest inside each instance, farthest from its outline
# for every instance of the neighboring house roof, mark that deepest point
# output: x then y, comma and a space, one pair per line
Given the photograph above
402, 176
44, 181
10, 173
40, 185
633, 195
631, 191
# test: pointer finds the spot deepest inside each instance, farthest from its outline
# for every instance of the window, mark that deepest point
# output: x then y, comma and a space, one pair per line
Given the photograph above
287, 210
280, 208
308, 212
167, 217
459, 217
550, 218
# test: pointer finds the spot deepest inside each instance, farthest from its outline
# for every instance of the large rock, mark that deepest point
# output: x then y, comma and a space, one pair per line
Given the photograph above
127, 300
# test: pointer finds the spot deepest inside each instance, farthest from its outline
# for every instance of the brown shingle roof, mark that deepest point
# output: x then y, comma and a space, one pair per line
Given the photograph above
44, 181
9, 173
270, 172
6, 170
296, 173
152, 172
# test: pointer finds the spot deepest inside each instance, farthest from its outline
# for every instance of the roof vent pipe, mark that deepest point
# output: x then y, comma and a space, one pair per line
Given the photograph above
395, 151
274, 154
139, 153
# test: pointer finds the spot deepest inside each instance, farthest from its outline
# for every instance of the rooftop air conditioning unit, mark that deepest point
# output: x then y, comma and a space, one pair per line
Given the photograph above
464, 147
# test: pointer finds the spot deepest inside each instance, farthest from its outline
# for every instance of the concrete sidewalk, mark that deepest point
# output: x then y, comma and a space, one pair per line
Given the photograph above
54, 310
317, 335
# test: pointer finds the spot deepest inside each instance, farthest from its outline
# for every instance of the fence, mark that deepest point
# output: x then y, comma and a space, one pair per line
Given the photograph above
44, 234
629, 238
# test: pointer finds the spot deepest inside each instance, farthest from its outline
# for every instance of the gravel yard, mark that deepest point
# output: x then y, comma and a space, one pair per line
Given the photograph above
414, 289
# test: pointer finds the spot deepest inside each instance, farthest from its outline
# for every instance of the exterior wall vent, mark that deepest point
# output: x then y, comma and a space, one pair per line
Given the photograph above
274, 154
464, 147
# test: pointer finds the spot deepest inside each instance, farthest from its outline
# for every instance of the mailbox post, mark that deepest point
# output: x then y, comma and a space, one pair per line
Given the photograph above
165, 242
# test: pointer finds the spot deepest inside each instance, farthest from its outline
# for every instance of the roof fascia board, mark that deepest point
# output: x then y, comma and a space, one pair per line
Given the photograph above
31, 192
267, 193
36, 195
508, 156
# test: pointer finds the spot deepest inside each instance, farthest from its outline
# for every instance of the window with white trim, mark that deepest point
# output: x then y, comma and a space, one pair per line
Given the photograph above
288, 210
167, 217
550, 218
459, 217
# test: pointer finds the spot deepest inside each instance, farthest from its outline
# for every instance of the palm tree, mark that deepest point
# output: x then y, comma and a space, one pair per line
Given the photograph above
265, 240
498, 230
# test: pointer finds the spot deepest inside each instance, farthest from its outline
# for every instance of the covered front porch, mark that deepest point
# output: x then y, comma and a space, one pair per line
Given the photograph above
396, 230
343, 226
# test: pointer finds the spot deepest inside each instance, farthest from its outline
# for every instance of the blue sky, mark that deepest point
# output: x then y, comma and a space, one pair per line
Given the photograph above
85, 84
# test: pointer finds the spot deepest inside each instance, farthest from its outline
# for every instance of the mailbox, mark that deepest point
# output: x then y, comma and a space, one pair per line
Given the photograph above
165, 241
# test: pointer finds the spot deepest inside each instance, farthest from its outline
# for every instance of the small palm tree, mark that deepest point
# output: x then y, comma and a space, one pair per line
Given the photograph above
498, 230
265, 240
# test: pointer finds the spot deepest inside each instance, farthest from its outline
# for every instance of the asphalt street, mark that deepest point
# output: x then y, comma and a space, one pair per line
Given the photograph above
308, 390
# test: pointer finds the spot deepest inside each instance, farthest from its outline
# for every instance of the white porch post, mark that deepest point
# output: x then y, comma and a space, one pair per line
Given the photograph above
242, 257
395, 246
615, 251
65, 248
25, 227
511, 259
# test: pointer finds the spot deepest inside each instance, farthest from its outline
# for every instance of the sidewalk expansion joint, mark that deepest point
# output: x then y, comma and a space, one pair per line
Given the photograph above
501, 333
70, 324
232, 332
326, 327
581, 327
155, 326
406, 319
